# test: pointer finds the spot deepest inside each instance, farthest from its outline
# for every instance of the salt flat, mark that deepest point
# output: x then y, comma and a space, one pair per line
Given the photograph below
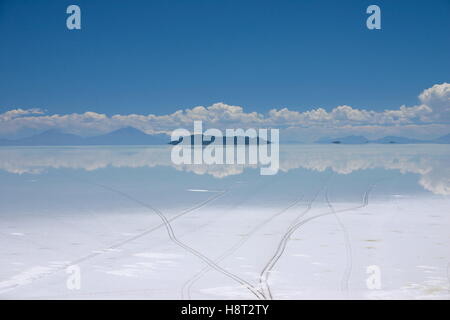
139, 227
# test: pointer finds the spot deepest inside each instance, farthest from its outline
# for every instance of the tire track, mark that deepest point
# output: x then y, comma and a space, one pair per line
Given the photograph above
188, 284
189, 249
348, 248
232, 207
121, 243
263, 279
145, 233
282, 246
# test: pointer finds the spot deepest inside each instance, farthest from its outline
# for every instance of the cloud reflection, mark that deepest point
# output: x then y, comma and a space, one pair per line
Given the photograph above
430, 162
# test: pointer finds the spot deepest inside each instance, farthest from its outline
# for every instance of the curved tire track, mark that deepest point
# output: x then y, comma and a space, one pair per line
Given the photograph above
188, 284
189, 249
121, 243
348, 248
282, 245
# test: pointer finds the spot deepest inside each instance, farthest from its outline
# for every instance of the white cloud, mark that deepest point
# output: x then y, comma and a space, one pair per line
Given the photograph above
11, 114
434, 108
438, 99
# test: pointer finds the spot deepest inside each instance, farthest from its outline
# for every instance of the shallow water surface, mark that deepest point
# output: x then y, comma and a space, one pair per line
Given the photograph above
337, 221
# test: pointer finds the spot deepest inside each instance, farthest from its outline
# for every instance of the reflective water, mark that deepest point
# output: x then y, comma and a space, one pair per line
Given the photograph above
98, 207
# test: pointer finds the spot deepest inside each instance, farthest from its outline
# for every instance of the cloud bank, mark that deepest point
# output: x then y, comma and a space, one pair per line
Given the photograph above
429, 118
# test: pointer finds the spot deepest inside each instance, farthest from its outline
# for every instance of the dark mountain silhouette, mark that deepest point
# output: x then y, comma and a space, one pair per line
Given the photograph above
345, 140
394, 139
385, 140
206, 140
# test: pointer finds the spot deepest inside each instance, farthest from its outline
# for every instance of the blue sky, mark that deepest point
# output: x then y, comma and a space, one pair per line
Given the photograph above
160, 56
157, 57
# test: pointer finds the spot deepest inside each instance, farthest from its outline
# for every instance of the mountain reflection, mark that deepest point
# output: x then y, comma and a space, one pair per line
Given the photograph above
430, 162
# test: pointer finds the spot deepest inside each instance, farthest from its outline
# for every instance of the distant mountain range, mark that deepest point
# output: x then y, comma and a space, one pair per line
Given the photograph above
124, 136
443, 139
386, 140
132, 136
